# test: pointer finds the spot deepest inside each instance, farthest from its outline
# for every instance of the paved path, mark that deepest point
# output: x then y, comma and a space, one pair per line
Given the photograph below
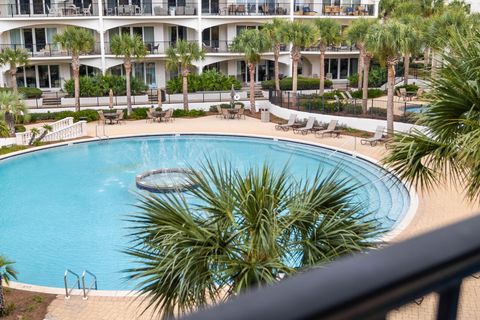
438, 208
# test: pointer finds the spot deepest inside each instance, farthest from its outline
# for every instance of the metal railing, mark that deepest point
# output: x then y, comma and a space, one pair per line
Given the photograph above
47, 49
150, 8
340, 48
247, 9
93, 285
153, 47
320, 9
68, 290
49, 9
406, 110
369, 285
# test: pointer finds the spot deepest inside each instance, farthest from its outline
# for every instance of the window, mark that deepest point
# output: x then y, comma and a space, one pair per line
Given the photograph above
178, 33
343, 68
353, 65
88, 71
34, 40
145, 72
40, 76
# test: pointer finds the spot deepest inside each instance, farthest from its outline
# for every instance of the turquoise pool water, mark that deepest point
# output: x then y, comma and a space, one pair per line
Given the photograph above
65, 207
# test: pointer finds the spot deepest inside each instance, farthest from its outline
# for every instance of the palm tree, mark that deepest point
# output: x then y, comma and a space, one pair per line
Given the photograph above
448, 149
330, 34
7, 273
250, 228
387, 41
252, 43
356, 33
4, 132
132, 48
413, 43
14, 58
184, 54
300, 35
76, 41
275, 31
11, 106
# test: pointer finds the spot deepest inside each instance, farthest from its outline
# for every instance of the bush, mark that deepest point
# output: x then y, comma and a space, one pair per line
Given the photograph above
210, 80
409, 87
372, 93
177, 113
138, 113
376, 78
4, 133
28, 93
302, 84
20, 128
99, 86
382, 112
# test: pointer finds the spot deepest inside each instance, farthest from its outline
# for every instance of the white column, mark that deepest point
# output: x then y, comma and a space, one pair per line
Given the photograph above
101, 30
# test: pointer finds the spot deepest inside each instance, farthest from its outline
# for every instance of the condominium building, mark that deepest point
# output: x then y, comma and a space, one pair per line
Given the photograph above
31, 24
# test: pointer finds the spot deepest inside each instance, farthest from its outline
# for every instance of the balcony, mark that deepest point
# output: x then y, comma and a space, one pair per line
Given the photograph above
223, 46
340, 48
369, 285
153, 47
144, 8
41, 50
48, 9
345, 10
246, 9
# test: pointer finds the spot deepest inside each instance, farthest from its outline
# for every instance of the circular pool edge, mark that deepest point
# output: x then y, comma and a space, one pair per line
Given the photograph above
401, 225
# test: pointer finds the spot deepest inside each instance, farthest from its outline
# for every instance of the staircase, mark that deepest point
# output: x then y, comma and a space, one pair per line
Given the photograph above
52, 99
258, 94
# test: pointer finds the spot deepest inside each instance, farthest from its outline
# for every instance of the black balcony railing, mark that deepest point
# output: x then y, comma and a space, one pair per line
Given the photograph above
153, 47
49, 9
246, 9
149, 8
340, 48
320, 9
222, 46
47, 49
369, 286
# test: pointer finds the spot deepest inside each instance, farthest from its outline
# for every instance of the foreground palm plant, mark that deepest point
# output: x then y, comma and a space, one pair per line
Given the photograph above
449, 149
11, 107
241, 230
7, 273
252, 43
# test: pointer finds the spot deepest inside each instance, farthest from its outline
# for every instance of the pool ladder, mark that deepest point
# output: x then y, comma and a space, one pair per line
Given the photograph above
101, 133
79, 283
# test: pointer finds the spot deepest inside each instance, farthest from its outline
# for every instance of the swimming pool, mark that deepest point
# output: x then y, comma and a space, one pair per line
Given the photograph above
65, 207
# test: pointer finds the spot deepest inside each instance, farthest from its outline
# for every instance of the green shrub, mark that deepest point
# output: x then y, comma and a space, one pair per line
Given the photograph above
353, 80
28, 93
409, 87
177, 113
4, 132
100, 85
352, 109
376, 77
20, 128
210, 80
14, 148
138, 113
382, 112
372, 93
302, 84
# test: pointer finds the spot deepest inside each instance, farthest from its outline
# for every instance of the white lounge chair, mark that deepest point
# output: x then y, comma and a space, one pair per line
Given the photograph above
288, 125
308, 127
377, 137
330, 130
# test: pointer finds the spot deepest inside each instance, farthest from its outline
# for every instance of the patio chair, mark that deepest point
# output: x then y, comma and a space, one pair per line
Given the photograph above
237, 106
87, 11
241, 113
330, 129
241, 9
120, 117
53, 11
150, 117
403, 93
418, 93
308, 127
219, 112
288, 125
377, 137
101, 118
180, 11
225, 113
168, 115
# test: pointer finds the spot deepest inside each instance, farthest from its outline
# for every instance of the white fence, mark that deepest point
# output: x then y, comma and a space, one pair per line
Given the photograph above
5, 142
61, 130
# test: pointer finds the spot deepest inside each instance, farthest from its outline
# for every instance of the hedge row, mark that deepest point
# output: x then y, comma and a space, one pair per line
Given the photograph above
100, 85
210, 80
302, 84
28, 93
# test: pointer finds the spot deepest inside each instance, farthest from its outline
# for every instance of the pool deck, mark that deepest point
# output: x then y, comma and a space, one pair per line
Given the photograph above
440, 207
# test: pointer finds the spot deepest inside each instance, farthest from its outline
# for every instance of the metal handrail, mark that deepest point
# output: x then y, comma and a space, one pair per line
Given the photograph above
65, 280
93, 284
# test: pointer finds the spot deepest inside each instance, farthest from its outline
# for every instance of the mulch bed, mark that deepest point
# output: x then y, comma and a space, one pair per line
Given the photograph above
26, 305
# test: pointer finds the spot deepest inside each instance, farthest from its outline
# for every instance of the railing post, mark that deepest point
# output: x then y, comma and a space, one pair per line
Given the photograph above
448, 302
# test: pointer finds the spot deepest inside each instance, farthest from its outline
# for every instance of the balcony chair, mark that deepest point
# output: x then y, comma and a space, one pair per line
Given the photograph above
180, 11
87, 11
53, 11
189, 11
241, 9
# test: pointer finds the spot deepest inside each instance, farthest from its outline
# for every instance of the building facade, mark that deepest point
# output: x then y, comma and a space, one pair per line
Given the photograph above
213, 24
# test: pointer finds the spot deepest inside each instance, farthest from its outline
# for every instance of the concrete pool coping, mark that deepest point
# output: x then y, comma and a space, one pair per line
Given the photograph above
387, 237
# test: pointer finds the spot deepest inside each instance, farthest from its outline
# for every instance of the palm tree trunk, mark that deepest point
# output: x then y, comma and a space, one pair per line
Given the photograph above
360, 70
322, 72
406, 67
251, 70
76, 81
366, 69
13, 75
276, 55
390, 87
295, 58
10, 120
185, 72
2, 298
128, 71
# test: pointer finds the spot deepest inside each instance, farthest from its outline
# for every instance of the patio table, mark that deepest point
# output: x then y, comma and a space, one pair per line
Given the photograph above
159, 115
110, 117
232, 113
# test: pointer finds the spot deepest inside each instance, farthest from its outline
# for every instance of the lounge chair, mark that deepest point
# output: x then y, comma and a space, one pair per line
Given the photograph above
288, 125
377, 137
330, 130
308, 127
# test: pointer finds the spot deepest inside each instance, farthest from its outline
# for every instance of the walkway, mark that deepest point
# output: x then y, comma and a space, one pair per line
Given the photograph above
438, 208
